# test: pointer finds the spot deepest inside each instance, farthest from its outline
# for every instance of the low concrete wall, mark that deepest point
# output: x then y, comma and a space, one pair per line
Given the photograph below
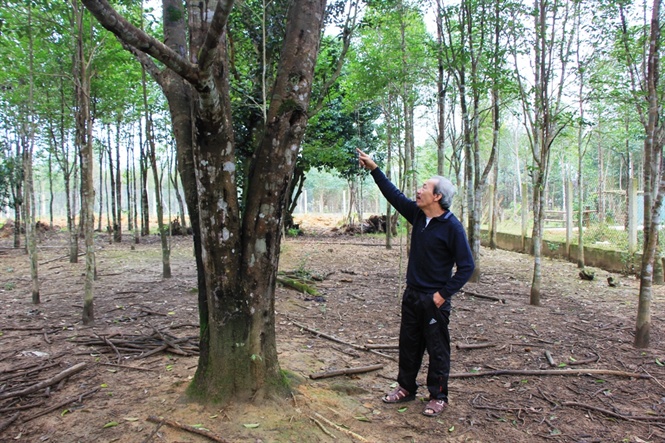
612, 261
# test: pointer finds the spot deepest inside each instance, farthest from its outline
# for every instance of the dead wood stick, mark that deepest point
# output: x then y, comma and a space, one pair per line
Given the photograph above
548, 372
655, 418
59, 258
339, 428
61, 404
357, 297
337, 340
550, 359
112, 346
323, 428
175, 348
380, 346
329, 337
297, 285
22, 407
474, 345
154, 432
358, 370
154, 351
5, 424
487, 297
187, 428
128, 367
583, 362
51, 381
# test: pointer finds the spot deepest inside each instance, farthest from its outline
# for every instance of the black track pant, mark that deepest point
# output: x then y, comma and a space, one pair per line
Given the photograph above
424, 326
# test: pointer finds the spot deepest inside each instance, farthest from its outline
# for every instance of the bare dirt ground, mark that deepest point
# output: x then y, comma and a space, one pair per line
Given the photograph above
137, 360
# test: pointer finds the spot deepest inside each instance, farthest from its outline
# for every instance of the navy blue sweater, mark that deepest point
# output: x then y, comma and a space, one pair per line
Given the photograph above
435, 248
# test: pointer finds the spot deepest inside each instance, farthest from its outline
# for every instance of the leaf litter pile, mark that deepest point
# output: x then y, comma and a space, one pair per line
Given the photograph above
566, 371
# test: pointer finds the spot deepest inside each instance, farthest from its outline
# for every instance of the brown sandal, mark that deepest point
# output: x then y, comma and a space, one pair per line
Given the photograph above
399, 395
435, 407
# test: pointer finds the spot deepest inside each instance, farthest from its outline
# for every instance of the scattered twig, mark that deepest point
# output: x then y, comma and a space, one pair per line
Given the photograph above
341, 429
192, 429
358, 370
51, 381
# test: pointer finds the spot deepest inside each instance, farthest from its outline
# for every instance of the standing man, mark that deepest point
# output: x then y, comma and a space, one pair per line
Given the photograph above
438, 242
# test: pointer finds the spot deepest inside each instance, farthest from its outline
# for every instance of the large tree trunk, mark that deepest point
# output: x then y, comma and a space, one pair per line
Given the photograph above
238, 256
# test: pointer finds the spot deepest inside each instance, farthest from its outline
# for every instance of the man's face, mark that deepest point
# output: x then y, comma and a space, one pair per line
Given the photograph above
425, 196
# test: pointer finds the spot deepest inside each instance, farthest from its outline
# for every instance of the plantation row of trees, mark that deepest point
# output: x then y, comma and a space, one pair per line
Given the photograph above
229, 106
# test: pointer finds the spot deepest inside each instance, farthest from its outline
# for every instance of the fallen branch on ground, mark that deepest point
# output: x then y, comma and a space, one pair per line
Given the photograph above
550, 359
341, 429
5, 424
337, 340
51, 381
61, 404
487, 297
474, 345
549, 372
297, 285
187, 428
640, 418
358, 370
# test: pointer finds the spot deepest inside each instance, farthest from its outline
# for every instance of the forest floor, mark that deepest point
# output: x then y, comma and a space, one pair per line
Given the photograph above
137, 360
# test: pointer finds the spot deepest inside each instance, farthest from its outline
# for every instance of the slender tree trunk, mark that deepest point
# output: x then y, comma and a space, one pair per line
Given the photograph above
102, 189
84, 143
27, 137
653, 192
181, 207
50, 188
117, 230
129, 156
112, 198
389, 147
163, 229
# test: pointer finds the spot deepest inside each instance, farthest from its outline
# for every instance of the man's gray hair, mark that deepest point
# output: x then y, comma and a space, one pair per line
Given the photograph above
446, 190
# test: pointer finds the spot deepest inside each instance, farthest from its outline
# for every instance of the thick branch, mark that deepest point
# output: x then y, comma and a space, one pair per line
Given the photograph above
130, 34
215, 31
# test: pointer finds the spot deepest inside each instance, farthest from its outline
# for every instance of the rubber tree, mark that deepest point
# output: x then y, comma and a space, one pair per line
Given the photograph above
543, 109
648, 100
237, 250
